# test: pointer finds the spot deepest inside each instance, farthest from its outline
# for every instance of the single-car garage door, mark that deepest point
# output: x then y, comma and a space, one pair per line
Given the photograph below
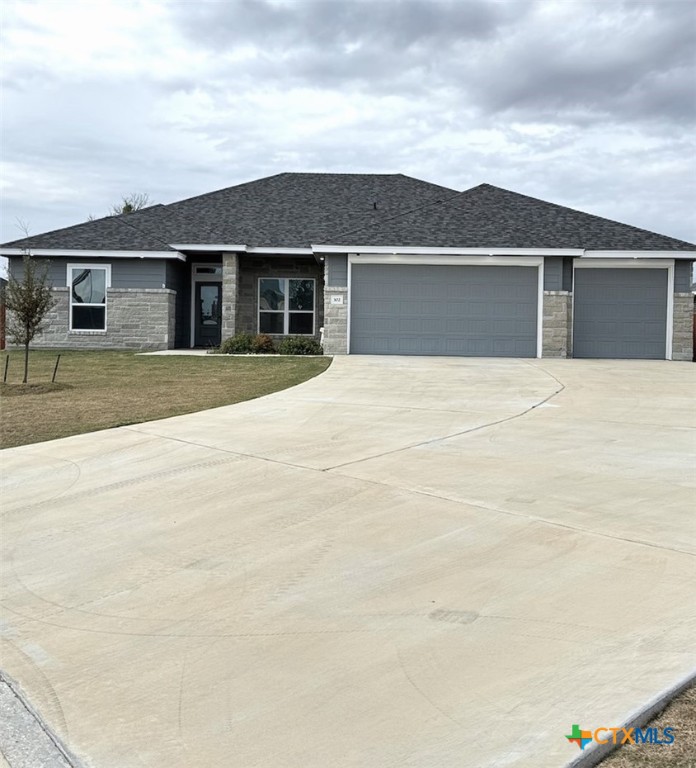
620, 313
419, 309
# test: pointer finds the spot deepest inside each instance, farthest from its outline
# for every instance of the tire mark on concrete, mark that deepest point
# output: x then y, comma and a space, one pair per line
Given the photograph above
47, 687
174, 471
422, 693
202, 635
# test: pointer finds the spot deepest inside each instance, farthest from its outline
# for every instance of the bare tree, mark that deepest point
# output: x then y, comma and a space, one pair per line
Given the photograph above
131, 203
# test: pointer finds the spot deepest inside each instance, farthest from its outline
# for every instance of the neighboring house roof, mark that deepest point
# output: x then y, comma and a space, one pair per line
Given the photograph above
490, 217
292, 210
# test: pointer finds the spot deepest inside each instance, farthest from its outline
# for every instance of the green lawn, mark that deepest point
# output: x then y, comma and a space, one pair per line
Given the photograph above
97, 390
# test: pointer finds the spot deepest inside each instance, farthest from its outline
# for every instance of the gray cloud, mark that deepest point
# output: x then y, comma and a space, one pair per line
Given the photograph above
586, 104
387, 24
595, 61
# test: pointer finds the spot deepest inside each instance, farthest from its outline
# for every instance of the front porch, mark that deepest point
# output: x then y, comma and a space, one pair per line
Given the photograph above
241, 293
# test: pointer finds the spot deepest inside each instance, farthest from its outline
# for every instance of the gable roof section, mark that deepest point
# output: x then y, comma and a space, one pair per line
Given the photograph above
490, 217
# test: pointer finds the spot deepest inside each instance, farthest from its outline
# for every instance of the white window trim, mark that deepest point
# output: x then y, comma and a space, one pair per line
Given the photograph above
622, 263
458, 259
287, 311
200, 278
68, 282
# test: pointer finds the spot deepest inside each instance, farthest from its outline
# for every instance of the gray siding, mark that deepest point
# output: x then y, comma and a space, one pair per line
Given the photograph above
620, 313
682, 275
553, 273
567, 273
337, 270
444, 310
125, 273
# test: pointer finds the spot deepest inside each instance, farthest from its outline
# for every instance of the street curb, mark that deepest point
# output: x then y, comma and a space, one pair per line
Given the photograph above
61, 749
595, 753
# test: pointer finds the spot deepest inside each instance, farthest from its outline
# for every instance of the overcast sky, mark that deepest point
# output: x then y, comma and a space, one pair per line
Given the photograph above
587, 104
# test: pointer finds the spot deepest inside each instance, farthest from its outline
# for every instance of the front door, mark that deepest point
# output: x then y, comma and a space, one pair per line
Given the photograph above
207, 314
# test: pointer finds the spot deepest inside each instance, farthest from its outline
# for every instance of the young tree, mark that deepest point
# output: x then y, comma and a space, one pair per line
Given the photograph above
28, 301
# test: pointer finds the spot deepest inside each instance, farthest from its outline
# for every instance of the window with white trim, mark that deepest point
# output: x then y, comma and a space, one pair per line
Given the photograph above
88, 284
286, 306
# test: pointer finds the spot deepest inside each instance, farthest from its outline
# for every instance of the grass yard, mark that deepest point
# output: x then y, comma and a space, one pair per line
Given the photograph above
680, 715
102, 389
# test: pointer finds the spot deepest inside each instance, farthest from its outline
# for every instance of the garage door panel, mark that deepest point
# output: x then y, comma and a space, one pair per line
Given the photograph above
444, 310
620, 313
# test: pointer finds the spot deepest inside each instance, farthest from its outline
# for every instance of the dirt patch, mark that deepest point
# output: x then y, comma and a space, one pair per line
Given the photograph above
15, 390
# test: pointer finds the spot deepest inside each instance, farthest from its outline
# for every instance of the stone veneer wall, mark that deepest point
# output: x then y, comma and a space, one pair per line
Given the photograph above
230, 282
251, 268
683, 327
137, 318
335, 322
558, 324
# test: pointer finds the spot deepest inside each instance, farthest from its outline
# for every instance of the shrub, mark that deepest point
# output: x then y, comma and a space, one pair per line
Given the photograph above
300, 345
239, 344
263, 345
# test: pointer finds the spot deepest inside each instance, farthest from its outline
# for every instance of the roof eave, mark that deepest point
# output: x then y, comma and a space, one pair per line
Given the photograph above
576, 252
625, 254
380, 249
269, 250
92, 254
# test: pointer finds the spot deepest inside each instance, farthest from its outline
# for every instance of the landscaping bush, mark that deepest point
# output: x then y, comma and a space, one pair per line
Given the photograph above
300, 345
263, 344
239, 344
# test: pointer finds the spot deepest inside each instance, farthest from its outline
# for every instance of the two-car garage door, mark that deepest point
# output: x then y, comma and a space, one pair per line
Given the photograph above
421, 309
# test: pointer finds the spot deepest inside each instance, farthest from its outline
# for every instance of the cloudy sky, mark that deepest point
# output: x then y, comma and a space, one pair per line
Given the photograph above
589, 104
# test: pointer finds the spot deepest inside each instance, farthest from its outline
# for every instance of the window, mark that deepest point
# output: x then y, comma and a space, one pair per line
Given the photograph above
88, 284
286, 306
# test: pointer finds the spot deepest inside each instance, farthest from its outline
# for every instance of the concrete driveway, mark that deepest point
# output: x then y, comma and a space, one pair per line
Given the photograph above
403, 562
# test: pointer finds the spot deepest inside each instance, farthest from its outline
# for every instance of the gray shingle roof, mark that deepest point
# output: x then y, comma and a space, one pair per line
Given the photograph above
490, 217
112, 233
299, 209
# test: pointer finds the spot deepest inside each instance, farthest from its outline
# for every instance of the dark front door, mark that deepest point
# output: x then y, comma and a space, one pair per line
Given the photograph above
207, 314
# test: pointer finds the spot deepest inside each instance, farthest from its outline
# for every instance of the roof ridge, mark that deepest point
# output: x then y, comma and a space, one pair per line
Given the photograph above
225, 189
122, 219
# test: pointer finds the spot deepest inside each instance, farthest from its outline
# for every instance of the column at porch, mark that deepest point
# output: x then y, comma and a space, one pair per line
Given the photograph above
230, 294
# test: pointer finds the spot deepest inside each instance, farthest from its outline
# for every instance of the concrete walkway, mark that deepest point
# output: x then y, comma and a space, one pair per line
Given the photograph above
403, 562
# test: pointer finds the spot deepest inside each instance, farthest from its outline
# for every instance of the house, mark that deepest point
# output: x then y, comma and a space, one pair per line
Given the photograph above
372, 264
